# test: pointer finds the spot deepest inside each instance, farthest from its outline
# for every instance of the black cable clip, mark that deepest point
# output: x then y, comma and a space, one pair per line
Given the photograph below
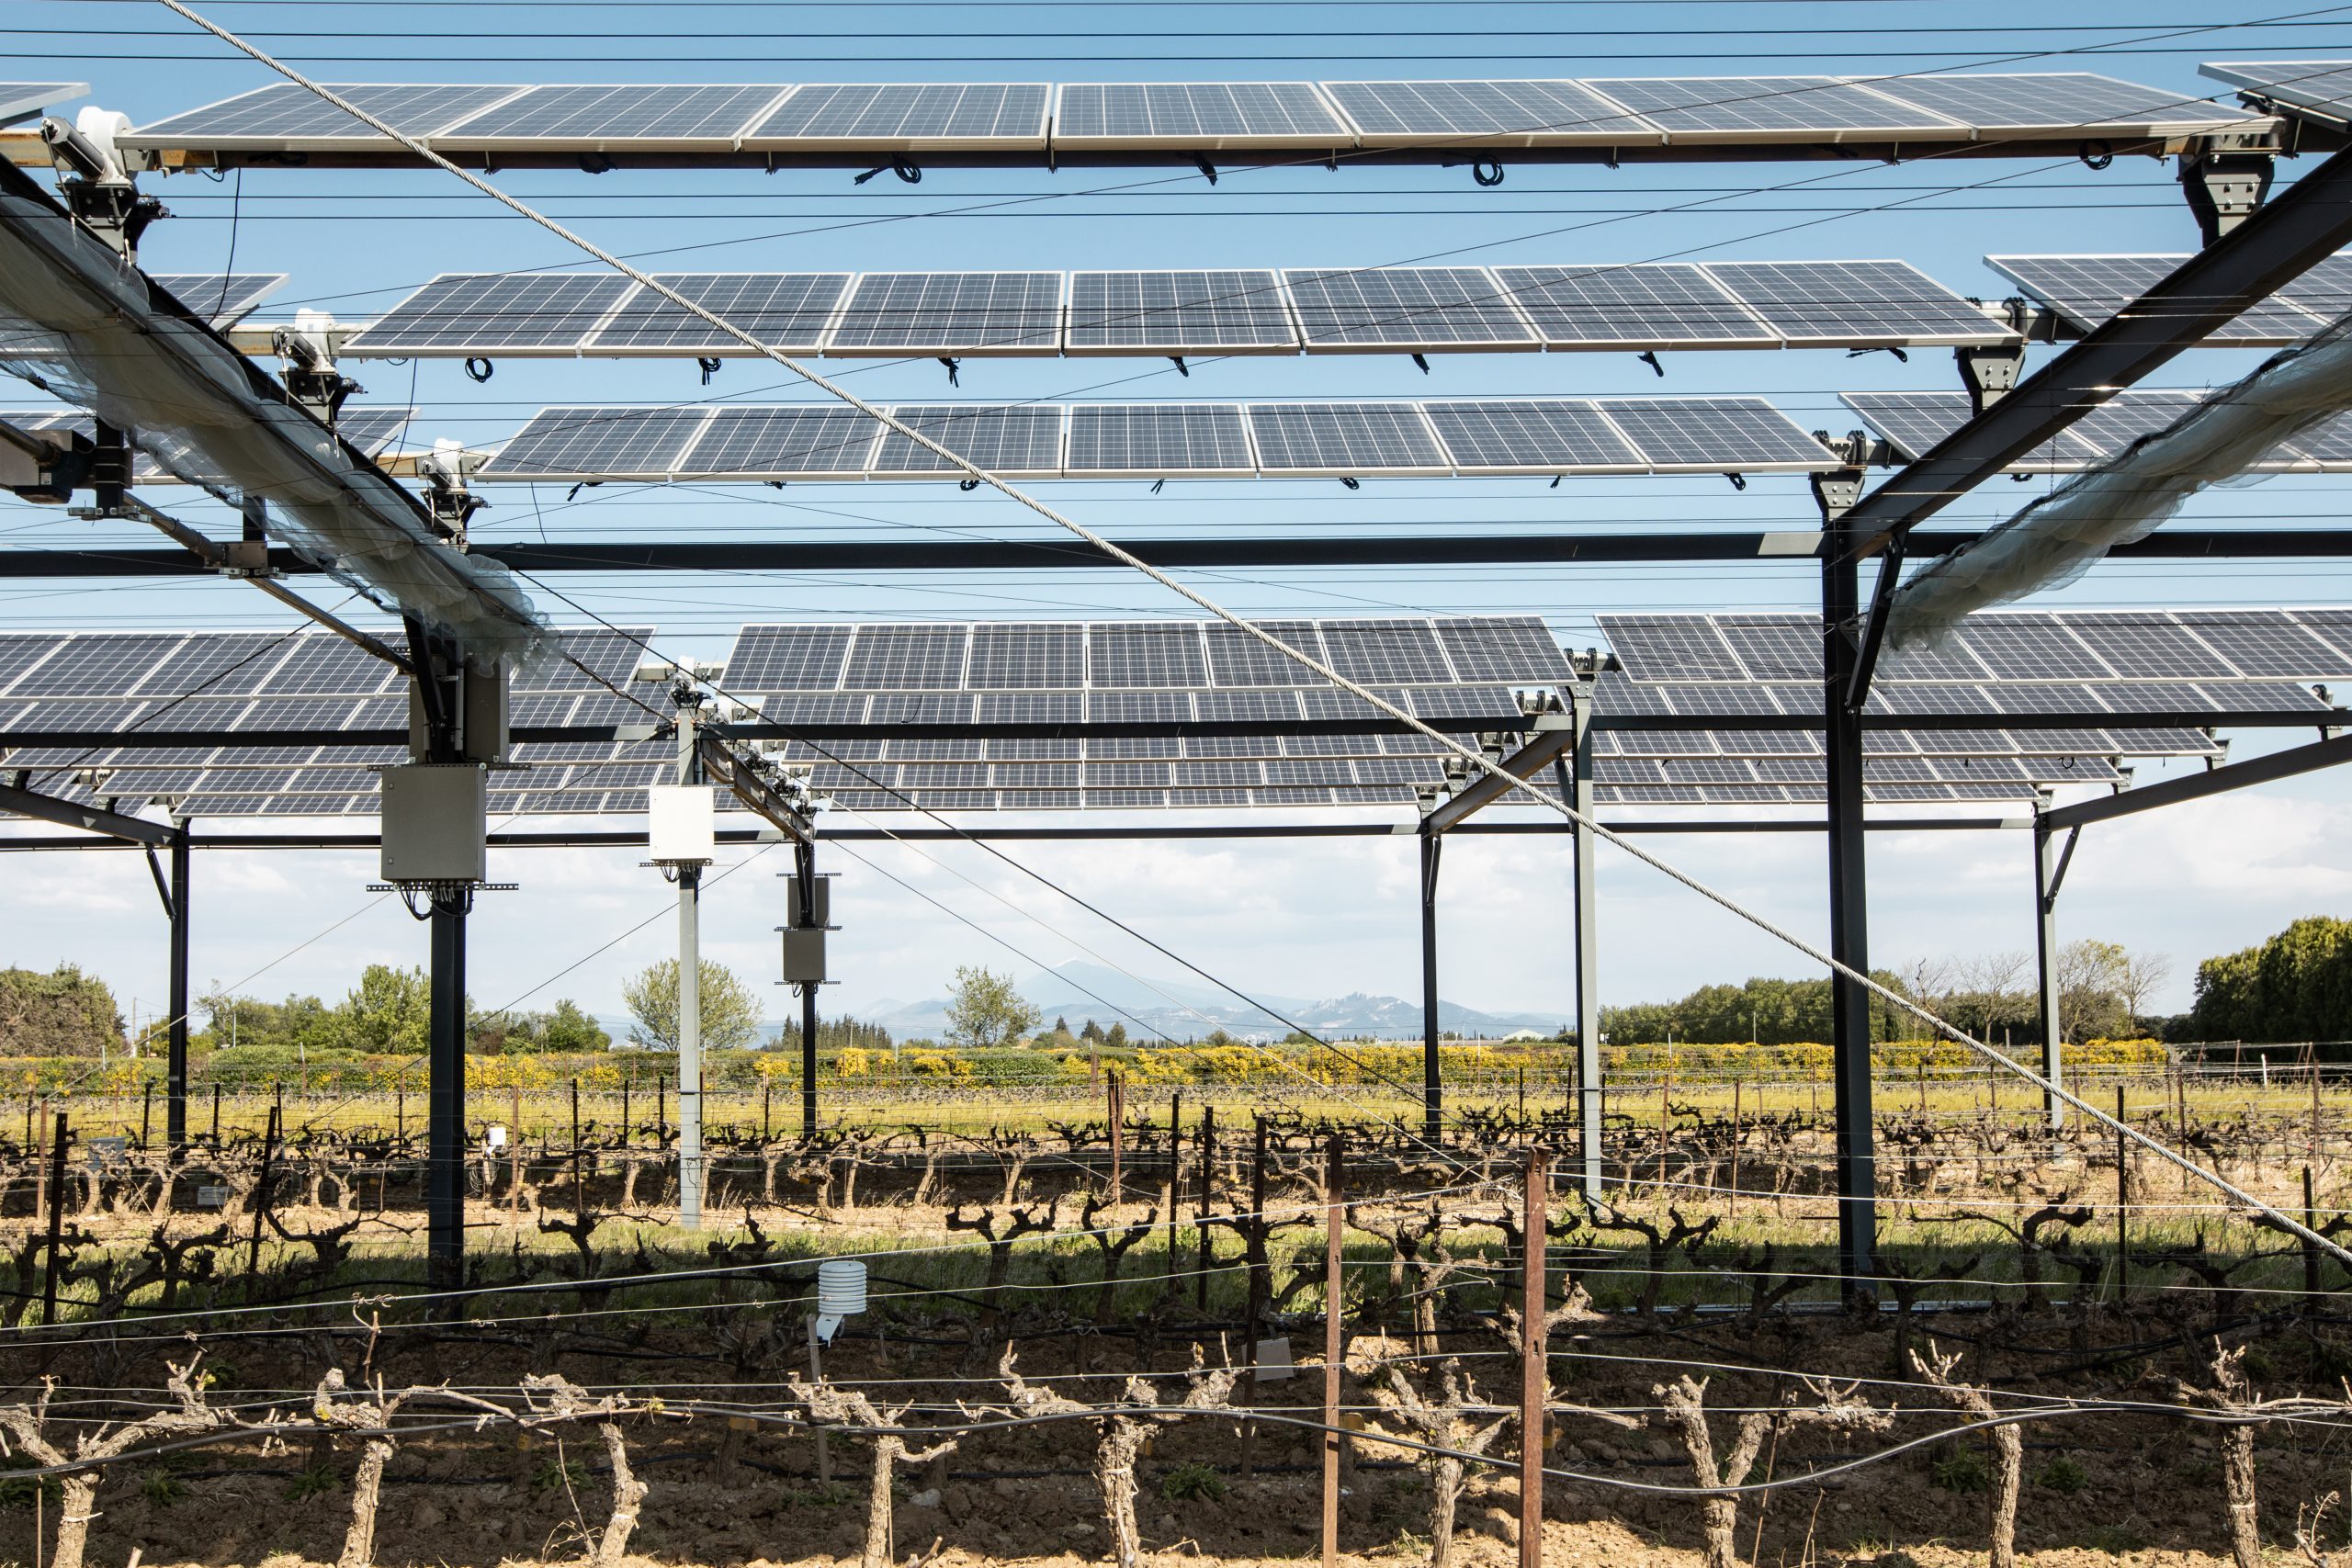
1900, 358
907, 172
708, 365
1423, 361
954, 366
1649, 357
967, 484
1156, 484
1489, 172
1556, 481
1181, 368
1206, 167
1738, 481
2096, 155
1352, 484
481, 369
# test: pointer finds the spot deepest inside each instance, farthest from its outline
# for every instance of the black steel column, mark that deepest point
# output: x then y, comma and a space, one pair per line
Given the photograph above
445, 1194
1433, 1093
1848, 917
2048, 867
175, 1064
805, 890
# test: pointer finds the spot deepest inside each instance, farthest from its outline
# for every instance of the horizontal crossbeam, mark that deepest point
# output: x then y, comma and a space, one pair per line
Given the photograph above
95, 819
2329, 753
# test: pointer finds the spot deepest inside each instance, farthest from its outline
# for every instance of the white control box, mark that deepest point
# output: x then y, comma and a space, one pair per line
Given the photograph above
679, 824
435, 817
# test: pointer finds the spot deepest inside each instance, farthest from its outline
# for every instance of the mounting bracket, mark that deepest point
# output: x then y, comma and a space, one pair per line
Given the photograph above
2225, 186
1838, 491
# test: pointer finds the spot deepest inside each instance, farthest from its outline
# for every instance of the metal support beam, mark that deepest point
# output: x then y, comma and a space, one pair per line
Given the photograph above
445, 1116
1551, 735
1575, 776
95, 818
2213, 781
2049, 868
175, 1064
2307, 225
689, 996
1433, 1083
804, 892
1849, 926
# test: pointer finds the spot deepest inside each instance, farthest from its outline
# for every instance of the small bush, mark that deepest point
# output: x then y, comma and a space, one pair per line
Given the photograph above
550, 1475
311, 1482
1193, 1482
1962, 1470
162, 1488
2062, 1476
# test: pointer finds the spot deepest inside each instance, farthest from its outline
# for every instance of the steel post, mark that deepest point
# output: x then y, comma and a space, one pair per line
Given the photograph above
1432, 1091
690, 1047
1849, 919
176, 1066
2045, 952
446, 1093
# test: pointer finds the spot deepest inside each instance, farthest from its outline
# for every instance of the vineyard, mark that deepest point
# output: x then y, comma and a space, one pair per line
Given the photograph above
1114, 1339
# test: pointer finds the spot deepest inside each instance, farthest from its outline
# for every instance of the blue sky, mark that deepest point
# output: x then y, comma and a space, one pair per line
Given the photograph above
1317, 919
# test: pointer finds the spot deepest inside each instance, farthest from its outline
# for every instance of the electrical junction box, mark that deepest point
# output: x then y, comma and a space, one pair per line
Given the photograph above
679, 824
482, 702
436, 817
820, 902
804, 955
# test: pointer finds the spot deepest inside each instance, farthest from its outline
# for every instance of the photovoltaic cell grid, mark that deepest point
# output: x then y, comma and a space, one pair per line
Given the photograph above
1851, 304
1914, 422
2321, 85
2088, 291
1526, 435
1102, 118
221, 299
2015, 650
1179, 312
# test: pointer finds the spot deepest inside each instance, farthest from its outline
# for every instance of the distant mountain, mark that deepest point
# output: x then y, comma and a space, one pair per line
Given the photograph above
1189, 1008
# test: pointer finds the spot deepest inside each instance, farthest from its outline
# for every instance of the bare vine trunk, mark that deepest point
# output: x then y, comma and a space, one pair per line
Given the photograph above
367, 1491
1445, 1496
77, 1508
628, 1494
1115, 1475
2237, 1477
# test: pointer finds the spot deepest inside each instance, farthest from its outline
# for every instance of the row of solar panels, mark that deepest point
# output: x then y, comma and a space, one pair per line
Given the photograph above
1154, 116
1914, 422
180, 666
1519, 435
1818, 304
20, 100
2071, 646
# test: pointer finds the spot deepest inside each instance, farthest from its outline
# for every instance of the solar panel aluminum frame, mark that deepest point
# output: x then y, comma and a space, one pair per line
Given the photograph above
1629, 130
1027, 140
719, 345
360, 137
1761, 336
2259, 79
2242, 332
2168, 130
1996, 330
1343, 135
1464, 469
632, 475
1828, 462
855, 468
453, 138
22, 100
1926, 125
1072, 470
1061, 448
1041, 342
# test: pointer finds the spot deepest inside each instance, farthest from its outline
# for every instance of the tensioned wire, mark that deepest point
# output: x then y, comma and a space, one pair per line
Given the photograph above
1485, 767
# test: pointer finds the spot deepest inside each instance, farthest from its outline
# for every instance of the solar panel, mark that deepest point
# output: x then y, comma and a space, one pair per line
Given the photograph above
1671, 305
1515, 649
1656, 648
1147, 655
893, 659
480, 314
373, 430
1859, 304
1914, 422
1156, 440
2322, 86
1239, 660
593, 118
221, 297
2327, 447
1179, 313
1341, 440
565, 444
2055, 104
2324, 290
20, 100
905, 117
2147, 646
789, 311
2109, 427
1531, 436
1774, 648
2263, 643
1387, 653
2089, 290
950, 313
2030, 649
786, 659
1019, 439
1406, 307
1759, 109
1027, 657
1195, 114
1715, 434
288, 117
1522, 114
829, 441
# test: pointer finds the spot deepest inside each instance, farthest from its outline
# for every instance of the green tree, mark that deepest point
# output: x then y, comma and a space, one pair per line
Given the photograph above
984, 1010
1115, 1037
61, 1013
2296, 986
730, 1017
569, 1029
1093, 1033
391, 1013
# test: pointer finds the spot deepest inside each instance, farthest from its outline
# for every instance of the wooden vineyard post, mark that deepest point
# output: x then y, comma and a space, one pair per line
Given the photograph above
1208, 1181
661, 1107
2310, 1249
515, 1102
764, 1087
1253, 1313
2315, 1103
1735, 1148
1664, 1112
36, 1130
400, 1109
56, 1223
1335, 1221
2122, 1201
261, 1194
575, 1149
1533, 1352
625, 1127
146, 1113
1117, 1114
1175, 1179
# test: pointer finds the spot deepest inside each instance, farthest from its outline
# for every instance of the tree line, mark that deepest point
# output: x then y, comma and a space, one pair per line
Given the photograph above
2295, 987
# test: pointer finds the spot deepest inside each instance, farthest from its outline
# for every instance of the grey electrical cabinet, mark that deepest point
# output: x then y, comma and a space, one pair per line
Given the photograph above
434, 818
803, 956
820, 900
